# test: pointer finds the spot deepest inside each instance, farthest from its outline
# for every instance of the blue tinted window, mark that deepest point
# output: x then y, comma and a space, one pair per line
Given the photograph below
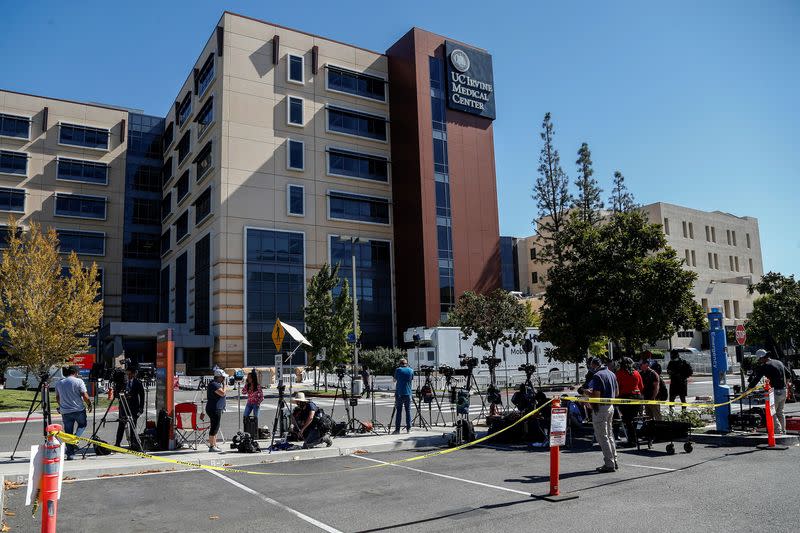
203, 162
296, 205
295, 155
206, 75
166, 206
182, 187
184, 146
139, 245
184, 109
169, 136
13, 163
163, 302
165, 242
202, 206
145, 211
12, 200
356, 83
355, 165
5, 234
85, 136
360, 208
182, 226
146, 178
83, 171
275, 289
205, 116
82, 242
296, 68
181, 285
202, 286
166, 172
13, 126
74, 205
295, 111
355, 123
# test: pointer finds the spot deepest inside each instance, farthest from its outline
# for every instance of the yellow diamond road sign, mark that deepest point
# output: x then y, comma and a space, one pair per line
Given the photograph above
277, 335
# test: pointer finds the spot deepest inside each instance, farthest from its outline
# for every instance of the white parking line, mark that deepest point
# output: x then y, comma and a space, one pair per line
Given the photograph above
445, 476
267, 499
652, 467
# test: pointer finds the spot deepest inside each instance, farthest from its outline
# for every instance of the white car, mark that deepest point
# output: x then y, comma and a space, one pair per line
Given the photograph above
20, 377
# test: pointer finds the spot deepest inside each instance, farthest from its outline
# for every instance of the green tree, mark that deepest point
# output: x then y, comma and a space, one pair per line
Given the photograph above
381, 361
588, 203
329, 318
621, 199
533, 319
46, 317
775, 320
551, 192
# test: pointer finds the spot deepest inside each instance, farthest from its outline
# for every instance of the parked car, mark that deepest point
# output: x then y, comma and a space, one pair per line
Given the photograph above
20, 377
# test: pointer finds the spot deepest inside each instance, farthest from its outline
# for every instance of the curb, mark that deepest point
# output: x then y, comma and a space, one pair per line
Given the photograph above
748, 440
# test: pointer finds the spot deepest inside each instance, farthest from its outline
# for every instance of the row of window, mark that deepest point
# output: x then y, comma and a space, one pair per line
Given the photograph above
713, 261
342, 205
67, 205
711, 233
202, 288
202, 210
81, 242
69, 134
15, 126
728, 310
340, 79
341, 162
78, 170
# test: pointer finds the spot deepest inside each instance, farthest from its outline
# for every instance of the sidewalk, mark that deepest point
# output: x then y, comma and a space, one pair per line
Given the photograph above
120, 464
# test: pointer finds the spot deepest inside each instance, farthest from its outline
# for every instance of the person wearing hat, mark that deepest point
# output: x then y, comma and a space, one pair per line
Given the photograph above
603, 385
215, 405
305, 416
71, 396
775, 372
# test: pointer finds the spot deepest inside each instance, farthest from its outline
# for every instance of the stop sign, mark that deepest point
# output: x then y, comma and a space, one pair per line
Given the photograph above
741, 336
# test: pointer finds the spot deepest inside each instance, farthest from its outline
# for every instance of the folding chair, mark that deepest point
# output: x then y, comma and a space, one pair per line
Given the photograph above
187, 429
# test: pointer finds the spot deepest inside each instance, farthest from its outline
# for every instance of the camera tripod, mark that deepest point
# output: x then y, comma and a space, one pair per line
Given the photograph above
36, 401
470, 382
433, 398
124, 414
280, 417
350, 402
375, 423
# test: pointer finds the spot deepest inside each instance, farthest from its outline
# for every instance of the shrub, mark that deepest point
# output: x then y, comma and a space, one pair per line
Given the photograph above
381, 361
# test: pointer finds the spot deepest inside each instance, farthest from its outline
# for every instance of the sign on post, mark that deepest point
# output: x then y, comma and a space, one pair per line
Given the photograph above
321, 354
558, 426
277, 334
84, 362
741, 335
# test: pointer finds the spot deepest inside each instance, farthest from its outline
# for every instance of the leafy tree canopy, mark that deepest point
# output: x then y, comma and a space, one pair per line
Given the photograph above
497, 318
329, 318
775, 320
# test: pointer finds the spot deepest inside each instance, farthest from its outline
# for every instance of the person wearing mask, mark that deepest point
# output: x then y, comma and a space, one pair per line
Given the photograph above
776, 373
255, 396
630, 387
679, 371
403, 376
134, 398
366, 380
603, 385
71, 396
215, 405
308, 427
650, 390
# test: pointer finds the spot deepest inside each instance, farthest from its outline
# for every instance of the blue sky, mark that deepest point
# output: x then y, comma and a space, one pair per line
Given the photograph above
695, 102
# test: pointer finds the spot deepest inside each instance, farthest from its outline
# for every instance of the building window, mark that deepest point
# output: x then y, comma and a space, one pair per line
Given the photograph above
163, 301
688, 258
81, 242
166, 172
141, 246
184, 146
710, 260
12, 200
88, 171
139, 280
13, 163
747, 239
534, 277
205, 76
4, 235
166, 206
694, 259
685, 230
294, 111
294, 71
203, 162
80, 206
146, 211
295, 200
182, 187
202, 286
181, 286
704, 304
182, 226
728, 234
294, 155
691, 230
373, 285
733, 236
14, 126
275, 281
713, 234
347, 206
165, 242
730, 262
666, 226
84, 136
750, 263
533, 254
356, 123
736, 311
205, 116
202, 206
727, 306
184, 109
716, 262
356, 83
736, 263
708, 234
168, 137
356, 165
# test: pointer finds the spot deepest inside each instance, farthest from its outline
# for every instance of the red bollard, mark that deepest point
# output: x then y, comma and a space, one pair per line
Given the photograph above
555, 452
770, 420
554, 459
49, 486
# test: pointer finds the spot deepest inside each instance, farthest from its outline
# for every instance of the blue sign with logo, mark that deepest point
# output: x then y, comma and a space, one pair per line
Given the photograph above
470, 80
719, 368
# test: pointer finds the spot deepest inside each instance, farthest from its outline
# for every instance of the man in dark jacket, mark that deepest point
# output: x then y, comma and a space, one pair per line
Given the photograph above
776, 373
679, 371
133, 406
650, 381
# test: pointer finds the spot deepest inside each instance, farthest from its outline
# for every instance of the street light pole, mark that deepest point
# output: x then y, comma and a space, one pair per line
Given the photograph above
353, 241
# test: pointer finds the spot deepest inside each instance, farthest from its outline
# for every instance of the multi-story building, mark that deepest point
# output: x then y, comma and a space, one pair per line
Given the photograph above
283, 151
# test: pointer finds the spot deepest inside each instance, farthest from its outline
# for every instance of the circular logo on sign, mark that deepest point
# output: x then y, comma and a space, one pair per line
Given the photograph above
460, 60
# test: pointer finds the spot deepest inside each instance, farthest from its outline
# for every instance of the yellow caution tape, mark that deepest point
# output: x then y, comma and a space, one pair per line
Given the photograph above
74, 439
629, 401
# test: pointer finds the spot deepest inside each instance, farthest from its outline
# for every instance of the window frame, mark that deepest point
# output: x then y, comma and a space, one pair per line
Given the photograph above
198, 177
329, 108
329, 66
27, 118
207, 216
59, 159
179, 239
367, 196
345, 151
179, 199
179, 112
80, 196
168, 234
289, 187
15, 153
12, 190
212, 61
181, 160
302, 80
289, 122
202, 130
84, 232
289, 166
86, 127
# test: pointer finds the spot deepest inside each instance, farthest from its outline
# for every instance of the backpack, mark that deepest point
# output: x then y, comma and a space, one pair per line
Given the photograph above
663, 393
244, 443
688, 371
467, 431
324, 422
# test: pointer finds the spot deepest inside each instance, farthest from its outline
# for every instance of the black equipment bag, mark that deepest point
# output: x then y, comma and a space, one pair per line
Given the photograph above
663, 393
163, 426
244, 443
251, 426
467, 429
99, 450
324, 422
339, 429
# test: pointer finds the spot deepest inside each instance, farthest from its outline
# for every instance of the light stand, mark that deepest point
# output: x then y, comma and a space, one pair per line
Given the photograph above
43, 402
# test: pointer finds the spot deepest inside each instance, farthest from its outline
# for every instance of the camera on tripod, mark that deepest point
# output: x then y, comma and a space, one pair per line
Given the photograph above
146, 372
467, 361
341, 370
447, 371
426, 370
528, 369
491, 361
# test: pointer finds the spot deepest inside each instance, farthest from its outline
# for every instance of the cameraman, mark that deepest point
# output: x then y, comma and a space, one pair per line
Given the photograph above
215, 396
403, 376
133, 392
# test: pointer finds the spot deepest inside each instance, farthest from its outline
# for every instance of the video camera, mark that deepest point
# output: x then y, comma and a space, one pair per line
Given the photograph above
426, 370
491, 361
447, 371
341, 370
237, 377
528, 369
146, 372
467, 361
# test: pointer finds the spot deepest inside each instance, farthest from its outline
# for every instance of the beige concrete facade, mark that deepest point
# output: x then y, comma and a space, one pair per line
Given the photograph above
41, 185
250, 174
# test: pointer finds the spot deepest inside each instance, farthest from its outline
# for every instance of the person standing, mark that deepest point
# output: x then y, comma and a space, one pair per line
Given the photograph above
366, 379
630, 387
134, 405
776, 373
679, 371
252, 388
215, 405
650, 382
71, 396
603, 385
403, 376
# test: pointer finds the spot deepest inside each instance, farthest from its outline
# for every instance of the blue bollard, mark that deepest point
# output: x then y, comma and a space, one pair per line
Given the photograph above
719, 369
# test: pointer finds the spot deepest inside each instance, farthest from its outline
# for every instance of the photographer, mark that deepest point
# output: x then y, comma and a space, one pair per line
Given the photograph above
307, 422
215, 396
133, 392
403, 376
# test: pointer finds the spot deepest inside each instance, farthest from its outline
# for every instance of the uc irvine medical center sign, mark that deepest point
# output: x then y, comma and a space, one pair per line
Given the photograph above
470, 82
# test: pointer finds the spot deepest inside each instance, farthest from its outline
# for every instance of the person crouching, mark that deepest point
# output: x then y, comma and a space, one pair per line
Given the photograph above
309, 423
